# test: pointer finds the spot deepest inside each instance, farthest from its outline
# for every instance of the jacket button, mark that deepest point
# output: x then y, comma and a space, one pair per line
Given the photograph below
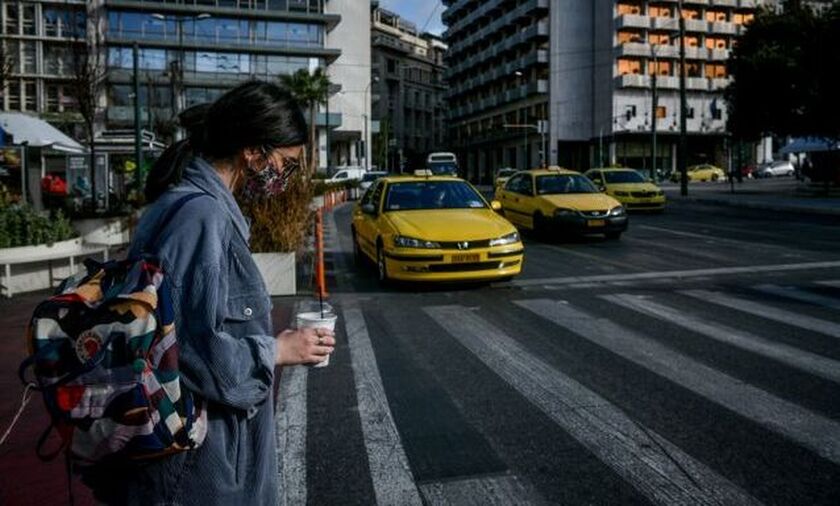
248, 311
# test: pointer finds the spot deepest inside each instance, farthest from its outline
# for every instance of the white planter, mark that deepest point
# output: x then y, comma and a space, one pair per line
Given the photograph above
106, 231
68, 248
278, 272
29, 268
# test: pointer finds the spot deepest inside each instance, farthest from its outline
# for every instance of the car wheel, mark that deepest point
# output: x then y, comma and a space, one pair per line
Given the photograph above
381, 265
613, 235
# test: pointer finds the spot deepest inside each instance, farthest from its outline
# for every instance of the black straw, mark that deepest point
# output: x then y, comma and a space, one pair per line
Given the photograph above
321, 299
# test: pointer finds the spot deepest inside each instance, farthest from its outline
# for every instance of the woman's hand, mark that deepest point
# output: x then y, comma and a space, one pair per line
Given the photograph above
304, 346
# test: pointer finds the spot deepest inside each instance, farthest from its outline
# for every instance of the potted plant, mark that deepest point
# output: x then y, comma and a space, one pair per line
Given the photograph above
279, 228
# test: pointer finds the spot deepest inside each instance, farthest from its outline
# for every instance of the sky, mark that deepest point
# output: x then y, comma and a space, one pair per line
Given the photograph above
418, 11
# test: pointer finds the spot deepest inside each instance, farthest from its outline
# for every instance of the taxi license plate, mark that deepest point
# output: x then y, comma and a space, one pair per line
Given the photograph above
467, 257
596, 223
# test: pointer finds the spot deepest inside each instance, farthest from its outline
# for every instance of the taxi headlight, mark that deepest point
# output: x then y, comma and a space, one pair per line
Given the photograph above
507, 239
560, 213
410, 242
618, 211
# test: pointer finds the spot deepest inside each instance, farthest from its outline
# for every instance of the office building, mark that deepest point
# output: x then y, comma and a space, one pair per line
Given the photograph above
586, 66
190, 52
407, 91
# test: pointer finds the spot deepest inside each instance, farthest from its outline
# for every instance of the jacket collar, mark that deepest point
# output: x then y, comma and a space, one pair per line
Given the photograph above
202, 175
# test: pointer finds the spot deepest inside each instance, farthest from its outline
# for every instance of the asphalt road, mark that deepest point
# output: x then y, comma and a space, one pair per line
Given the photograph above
695, 361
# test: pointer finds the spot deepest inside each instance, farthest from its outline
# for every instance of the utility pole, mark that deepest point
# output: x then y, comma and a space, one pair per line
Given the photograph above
138, 149
682, 154
653, 115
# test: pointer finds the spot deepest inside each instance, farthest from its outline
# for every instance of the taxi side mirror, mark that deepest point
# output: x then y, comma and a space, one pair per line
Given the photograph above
496, 205
369, 209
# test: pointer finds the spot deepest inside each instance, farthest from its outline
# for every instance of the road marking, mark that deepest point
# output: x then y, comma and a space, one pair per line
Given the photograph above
835, 283
800, 295
656, 467
690, 252
765, 311
694, 273
393, 482
706, 237
290, 427
794, 357
494, 491
817, 433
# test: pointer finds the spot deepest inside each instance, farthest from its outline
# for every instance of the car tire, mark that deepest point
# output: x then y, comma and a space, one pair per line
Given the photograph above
381, 266
613, 236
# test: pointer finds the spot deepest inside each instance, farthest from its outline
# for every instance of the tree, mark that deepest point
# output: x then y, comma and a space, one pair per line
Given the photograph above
785, 74
88, 77
311, 90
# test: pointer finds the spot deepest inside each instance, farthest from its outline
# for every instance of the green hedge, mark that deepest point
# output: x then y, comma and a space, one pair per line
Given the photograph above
20, 225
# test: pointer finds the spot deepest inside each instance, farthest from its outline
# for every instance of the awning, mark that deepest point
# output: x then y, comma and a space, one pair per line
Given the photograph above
810, 145
37, 133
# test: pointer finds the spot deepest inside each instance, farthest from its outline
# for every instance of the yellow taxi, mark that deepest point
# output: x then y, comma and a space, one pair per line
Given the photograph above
502, 175
702, 172
559, 200
629, 187
434, 228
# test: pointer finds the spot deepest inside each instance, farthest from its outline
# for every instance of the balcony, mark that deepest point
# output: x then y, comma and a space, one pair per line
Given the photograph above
662, 23
633, 81
696, 25
392, 43
724, 28
696, 53
719, 83
632, 21
697, 83
719, 54
725, 3
668, 82
634, 49
697, 2
666, 51
335, 119
747, 4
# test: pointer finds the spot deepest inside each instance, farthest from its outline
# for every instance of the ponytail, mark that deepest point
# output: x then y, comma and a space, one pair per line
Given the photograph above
168, 170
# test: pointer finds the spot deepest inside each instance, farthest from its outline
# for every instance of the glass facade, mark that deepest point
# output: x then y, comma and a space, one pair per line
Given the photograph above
215, 31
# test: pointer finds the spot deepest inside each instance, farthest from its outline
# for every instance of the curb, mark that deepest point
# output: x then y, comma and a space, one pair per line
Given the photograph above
766, 206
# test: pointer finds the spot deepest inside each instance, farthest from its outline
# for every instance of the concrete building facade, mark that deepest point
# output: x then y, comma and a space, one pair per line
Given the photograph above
190, 52
498, 74
407, 91
586, 66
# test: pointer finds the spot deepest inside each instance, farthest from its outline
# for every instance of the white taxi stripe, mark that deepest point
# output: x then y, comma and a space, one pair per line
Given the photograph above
817, 433
653, 465
290, 423
766, 311
794, 357
800, 295
393, 482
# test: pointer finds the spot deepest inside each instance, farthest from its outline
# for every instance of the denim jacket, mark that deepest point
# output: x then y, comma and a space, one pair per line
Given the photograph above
227, 351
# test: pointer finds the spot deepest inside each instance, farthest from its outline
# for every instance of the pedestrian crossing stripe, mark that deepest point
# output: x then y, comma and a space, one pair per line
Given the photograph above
649, 462
815, 432
765, 311
800, 295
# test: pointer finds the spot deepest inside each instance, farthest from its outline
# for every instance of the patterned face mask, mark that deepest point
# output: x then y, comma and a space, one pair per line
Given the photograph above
270, 181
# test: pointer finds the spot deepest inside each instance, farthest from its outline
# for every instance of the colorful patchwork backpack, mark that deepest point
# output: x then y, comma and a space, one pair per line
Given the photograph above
105, 357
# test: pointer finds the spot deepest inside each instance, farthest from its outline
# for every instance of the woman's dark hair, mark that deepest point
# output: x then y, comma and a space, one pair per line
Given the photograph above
252, 115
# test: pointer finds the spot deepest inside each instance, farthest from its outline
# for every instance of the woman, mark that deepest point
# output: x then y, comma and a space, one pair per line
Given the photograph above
253, 136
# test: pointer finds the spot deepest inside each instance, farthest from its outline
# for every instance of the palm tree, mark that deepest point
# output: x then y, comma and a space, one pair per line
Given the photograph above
311, 90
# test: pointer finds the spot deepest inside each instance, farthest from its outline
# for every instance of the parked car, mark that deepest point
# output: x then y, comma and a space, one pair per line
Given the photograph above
370, 177
702, 172
629, 187
502, 175
775, 169
555, 200
344, 174
434, 228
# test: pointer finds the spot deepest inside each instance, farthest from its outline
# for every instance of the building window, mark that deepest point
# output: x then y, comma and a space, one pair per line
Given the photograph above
28, 57
690, 14
692, 70
715, 43
12, 25
659, 12
715, 71
742, 18
715, 16
626, 66
14, 95
29, 96
625, 36
662, 68
28, 23
52, 95
661, 112
629, 8
689, 113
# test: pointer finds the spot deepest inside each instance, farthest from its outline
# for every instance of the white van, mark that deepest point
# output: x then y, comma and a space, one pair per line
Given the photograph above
442, 164
345, 174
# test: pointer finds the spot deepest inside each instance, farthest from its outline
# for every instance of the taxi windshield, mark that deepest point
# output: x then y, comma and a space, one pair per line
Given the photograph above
564, 183
624, 176
432, 195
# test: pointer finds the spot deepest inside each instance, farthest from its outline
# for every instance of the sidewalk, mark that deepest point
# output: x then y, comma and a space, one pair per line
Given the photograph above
781, 195
24, 479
